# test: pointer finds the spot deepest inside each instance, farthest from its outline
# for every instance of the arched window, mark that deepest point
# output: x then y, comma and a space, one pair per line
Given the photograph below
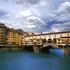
44, 41
54, 40
49, 40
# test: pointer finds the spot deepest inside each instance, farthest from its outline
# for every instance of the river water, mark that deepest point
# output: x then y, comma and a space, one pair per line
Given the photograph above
33, 61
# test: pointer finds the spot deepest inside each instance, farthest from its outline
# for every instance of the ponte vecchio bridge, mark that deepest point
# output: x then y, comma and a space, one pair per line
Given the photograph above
39, 41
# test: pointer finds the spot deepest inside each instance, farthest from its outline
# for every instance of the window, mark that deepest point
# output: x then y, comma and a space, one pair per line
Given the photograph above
54, 35
68, 42
60, 35
54, 40
63, 42
67, 34
58, 39
14, 34
49, 40
49, 36
44, 41
4, 33
58, 42
62, 39
13, 43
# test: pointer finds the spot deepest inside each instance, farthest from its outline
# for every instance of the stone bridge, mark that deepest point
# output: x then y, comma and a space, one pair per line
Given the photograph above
45, 46
38, 46
49, 44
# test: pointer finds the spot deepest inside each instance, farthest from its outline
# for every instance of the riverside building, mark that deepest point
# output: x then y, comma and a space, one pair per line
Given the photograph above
3, 35
10, 37
14, 37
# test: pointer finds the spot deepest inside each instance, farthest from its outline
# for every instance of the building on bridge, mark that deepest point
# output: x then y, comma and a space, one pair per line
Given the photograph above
63, 41
55, 37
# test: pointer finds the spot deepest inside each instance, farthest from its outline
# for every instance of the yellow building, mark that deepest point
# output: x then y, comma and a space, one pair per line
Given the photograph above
10, 37
14, 37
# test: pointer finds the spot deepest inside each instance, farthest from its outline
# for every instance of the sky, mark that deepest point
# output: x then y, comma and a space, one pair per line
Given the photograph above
36, 15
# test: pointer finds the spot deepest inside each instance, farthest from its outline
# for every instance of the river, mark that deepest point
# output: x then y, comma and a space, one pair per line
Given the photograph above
33, 61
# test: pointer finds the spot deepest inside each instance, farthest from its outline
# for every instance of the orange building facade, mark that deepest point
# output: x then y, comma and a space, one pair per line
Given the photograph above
14, 38
10, 37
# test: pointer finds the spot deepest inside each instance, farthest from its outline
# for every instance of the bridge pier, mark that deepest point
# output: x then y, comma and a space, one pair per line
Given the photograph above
66, 50
36, 49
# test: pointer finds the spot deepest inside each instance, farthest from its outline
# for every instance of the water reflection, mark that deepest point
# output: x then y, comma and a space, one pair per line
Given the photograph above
32, 61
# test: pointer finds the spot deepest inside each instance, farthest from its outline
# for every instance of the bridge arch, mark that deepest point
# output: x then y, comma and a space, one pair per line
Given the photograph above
28, 48
45, 49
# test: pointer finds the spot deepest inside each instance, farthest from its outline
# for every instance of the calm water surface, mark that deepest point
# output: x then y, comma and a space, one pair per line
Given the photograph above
31, 61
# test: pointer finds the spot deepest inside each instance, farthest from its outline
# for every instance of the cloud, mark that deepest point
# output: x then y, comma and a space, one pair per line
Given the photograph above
60, 27
35, 15
26, 1
65, 7
24, 14
3, 13
62, 19
31, 26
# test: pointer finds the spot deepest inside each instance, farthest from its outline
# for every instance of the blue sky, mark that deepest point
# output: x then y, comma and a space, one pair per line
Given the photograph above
36, 15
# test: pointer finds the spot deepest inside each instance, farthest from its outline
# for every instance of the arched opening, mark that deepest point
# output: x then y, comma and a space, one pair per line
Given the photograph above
28, 48
45, 49
49, 40
54, 40
60, 46
44, 40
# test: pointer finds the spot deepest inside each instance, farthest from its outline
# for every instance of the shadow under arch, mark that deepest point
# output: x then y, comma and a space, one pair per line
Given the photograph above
49, 40
44, 41
54, 40
45, 49
28, 48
